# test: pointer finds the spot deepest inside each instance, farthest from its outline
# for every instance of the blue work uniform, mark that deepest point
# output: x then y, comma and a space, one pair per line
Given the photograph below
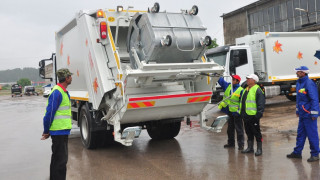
307, 107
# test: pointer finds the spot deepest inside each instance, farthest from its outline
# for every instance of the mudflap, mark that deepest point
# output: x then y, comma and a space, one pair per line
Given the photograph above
217, 124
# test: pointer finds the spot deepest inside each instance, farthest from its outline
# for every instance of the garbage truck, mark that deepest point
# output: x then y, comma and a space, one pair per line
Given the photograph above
272, 56
135, 70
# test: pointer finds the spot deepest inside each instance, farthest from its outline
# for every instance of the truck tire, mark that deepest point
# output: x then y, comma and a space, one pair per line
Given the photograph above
291, 98
88, 138
157, 130
104, 137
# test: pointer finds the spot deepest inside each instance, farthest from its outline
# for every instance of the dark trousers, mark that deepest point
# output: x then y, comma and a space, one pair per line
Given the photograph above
59, 158
235, 123
252, 127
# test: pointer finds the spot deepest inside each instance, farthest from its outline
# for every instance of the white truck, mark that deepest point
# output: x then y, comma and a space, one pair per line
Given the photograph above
135, 70
272, 56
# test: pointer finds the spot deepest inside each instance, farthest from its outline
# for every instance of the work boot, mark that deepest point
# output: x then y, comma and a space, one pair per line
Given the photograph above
228, 145
249, 149
313, 158
259, 149
293, 155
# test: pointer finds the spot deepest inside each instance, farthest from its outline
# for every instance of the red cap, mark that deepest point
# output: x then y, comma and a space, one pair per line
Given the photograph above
236, 77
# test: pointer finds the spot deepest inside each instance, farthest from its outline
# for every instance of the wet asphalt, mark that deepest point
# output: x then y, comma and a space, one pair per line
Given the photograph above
193, 154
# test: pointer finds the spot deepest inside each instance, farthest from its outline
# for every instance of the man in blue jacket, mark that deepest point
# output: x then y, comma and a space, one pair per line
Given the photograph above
307, 109
57, 124
230, 105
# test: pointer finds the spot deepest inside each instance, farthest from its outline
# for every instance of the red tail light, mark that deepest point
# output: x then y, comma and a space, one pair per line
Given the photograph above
103, 30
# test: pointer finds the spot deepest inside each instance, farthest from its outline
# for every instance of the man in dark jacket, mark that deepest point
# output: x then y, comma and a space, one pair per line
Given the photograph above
230, 105
251, 110
307, 109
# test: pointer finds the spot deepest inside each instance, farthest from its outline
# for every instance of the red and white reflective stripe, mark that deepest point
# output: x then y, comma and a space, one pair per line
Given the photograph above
199, 99
203, 95
141, 104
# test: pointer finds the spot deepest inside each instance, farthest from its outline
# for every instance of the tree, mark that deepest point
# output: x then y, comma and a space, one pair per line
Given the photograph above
24, 82
213, 43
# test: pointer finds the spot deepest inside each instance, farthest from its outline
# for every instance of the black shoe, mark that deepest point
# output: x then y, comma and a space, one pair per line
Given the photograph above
293, 155
313, 158
228, 146
240, 148
259, 149
249, 149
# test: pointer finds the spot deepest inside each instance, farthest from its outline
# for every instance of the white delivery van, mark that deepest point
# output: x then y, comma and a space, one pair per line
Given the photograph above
272, 56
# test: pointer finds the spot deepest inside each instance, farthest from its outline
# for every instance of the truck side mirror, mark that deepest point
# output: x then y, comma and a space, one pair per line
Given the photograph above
42, 71
42, 64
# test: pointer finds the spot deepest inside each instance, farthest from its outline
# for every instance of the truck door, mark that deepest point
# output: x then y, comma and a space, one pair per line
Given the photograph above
239, 63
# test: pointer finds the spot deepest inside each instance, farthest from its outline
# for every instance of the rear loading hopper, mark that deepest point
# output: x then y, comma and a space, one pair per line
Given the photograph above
166, 80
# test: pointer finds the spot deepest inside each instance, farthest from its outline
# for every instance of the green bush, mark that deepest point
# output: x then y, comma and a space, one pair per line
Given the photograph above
24, 82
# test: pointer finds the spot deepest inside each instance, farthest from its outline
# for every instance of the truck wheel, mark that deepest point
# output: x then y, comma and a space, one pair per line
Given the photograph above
291, 98
157, 130
105, 137
173, 130
88, 138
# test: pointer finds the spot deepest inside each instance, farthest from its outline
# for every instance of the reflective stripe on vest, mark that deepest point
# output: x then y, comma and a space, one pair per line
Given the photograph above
234, 100
251, 105
62, 117
64, 108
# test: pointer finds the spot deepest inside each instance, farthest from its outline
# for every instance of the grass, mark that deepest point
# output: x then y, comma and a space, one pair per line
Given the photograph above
6, 92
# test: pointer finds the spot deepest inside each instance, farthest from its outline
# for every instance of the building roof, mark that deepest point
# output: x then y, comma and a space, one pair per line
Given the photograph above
245, 8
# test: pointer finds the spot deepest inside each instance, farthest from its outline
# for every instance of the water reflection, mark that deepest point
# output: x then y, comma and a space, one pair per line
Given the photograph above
301, 172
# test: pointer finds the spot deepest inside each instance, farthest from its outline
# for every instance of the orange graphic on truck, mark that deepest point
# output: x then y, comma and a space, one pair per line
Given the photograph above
68, 61
90, 59
95, 85
277, 47
61, 49
299, 56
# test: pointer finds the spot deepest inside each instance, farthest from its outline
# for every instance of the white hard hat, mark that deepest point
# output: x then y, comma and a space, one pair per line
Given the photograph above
254, 77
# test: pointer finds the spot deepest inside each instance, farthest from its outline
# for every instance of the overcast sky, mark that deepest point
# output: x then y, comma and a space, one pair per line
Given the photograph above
28, 27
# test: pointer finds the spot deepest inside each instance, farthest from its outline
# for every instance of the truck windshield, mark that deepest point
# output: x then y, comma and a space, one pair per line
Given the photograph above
219, 58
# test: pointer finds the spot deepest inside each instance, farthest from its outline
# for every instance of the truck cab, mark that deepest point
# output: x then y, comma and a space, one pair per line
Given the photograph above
235, 60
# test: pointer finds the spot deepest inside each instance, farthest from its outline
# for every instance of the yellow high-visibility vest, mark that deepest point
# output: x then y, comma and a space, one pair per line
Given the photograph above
251, 105
234, 100
62, 117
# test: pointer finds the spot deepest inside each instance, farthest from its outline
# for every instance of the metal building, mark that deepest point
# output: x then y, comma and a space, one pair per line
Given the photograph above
273, 16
